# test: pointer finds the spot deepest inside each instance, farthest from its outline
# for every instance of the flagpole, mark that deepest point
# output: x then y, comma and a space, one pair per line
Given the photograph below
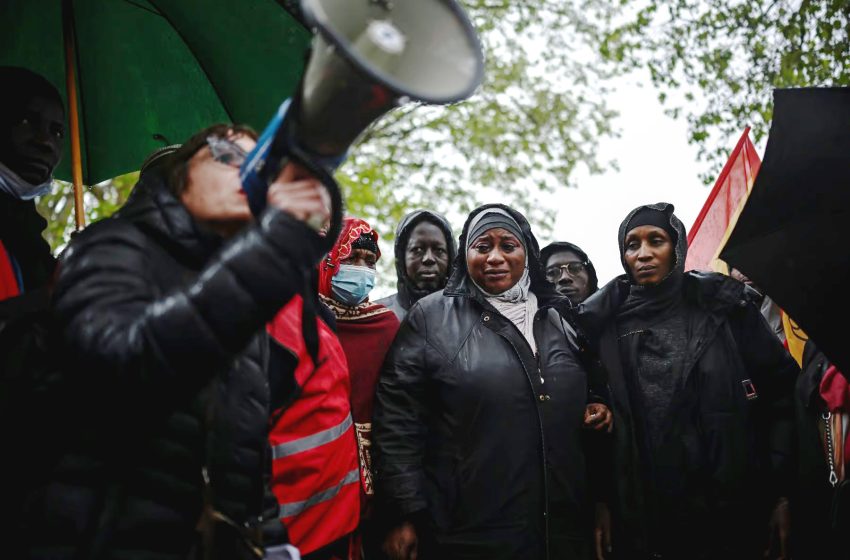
73, 116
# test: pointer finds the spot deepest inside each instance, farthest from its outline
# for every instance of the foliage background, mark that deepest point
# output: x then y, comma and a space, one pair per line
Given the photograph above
541, 112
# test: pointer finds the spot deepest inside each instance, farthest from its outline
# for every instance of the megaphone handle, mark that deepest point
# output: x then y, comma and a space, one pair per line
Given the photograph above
324, 176
308, 320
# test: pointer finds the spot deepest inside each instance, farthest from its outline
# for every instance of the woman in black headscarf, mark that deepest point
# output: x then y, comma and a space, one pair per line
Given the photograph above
478, 433
701, 391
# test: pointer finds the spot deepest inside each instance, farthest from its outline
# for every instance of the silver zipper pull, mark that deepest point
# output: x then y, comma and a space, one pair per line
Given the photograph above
827, 425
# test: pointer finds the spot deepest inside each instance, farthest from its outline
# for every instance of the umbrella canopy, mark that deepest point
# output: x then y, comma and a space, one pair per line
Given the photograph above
152, 72
792, 236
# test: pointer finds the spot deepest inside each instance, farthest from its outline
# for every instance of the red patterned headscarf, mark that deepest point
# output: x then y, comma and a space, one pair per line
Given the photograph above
352, 229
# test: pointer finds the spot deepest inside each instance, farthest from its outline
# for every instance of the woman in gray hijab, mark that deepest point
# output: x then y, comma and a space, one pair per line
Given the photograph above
482, 411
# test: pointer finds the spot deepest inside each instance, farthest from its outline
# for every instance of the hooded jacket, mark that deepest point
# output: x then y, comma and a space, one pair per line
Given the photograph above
708, 486
408, 294
165, 365
559, 246
477, 438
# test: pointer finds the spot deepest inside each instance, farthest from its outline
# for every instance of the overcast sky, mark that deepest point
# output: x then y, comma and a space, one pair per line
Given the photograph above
656, 165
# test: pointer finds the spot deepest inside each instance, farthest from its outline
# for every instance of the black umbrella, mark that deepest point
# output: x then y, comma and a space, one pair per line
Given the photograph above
793, 237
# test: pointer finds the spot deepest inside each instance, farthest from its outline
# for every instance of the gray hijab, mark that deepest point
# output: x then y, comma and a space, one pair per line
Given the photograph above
517, 304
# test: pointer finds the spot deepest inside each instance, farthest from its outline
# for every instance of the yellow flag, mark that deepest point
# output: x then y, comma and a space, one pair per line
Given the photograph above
795, 338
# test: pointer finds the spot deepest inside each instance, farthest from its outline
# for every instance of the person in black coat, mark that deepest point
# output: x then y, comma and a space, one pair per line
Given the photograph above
820, 505
424, 252
701, 391
32, 128
160, 313
479, 425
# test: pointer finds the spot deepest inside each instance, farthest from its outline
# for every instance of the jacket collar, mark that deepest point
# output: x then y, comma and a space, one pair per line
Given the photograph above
153, 208
710, 291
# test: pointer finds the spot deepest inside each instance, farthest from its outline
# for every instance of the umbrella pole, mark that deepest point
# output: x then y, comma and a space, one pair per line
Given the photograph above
73, 116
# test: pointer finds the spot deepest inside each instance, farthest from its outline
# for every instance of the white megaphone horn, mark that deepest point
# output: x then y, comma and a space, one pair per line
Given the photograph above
368, 56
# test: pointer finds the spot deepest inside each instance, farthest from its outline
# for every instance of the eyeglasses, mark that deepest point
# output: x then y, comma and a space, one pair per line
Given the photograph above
554, 273
226, 152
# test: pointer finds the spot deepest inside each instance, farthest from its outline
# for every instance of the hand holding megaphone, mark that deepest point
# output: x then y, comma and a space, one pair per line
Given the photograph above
300, 194
368, 56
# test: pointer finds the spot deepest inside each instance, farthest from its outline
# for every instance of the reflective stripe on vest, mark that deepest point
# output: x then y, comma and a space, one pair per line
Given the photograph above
288, 509
312, 441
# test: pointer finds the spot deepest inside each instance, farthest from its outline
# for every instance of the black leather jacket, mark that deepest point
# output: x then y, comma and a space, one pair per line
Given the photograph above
477, 436
161, 330
728, 453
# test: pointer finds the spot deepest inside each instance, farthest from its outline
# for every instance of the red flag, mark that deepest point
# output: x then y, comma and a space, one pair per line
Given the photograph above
720, 212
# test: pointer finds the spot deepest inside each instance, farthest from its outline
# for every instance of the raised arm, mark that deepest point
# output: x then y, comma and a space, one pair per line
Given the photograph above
115, 325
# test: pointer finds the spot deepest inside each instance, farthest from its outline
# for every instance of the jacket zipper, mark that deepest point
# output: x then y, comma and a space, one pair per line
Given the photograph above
542, 440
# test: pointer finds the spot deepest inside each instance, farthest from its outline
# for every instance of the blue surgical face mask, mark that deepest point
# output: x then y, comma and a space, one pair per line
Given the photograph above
13, 185
352, 284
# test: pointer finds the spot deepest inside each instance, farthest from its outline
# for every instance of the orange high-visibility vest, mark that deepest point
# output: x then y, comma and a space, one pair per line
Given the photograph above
315, 473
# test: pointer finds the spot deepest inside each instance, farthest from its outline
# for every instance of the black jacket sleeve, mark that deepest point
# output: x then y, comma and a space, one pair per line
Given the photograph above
399, 428
774, 374
115, 324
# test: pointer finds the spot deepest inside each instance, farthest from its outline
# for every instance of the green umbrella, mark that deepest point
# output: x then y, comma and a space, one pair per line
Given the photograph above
152, 72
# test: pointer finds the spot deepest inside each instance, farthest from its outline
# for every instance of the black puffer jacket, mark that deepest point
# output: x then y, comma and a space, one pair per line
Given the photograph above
165, 361
724, 459
400, 302
478, 438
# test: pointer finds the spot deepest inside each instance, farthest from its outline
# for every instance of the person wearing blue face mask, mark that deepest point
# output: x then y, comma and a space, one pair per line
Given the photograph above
352, 283
366, 331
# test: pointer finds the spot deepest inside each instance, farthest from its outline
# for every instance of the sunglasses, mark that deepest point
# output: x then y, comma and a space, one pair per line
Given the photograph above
226, 151
554, 273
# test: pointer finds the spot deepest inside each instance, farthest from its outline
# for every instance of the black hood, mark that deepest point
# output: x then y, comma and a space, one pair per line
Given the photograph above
153, 208
681, 242
407, 292
557, 247
646, 303
460, 285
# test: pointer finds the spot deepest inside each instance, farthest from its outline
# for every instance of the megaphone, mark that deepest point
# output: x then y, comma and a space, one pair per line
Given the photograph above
367, 57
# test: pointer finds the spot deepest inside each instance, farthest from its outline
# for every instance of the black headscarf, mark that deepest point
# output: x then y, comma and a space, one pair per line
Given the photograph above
408, 293
645, 304
559, 246
653, 327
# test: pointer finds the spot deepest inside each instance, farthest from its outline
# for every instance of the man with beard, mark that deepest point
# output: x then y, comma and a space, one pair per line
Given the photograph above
424, 249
